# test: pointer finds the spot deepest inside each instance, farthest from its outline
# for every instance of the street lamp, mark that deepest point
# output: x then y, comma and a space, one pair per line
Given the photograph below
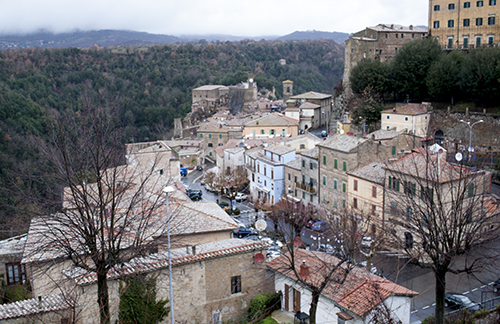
167, 190
470, 132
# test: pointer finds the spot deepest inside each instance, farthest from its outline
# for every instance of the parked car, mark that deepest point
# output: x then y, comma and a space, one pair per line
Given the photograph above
457, 301
363, 264
199, 168
319, 226
310, 223
324, 133
244, 232
366, 242
240, 197
326, 248
194, 194
272, 254
208, 187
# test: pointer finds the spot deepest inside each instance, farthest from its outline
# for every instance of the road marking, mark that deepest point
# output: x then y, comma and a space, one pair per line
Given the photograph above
425, 307
197, 178
434, 304
491, 283
474, 289
467, 292
416, 311
483, 286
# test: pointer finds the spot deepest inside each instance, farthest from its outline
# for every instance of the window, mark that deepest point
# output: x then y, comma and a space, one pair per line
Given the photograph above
479, 3
466, 42
220, 135
493, 2
470, 191
374, 191
435, 25
436, 8
209, 135
310, 165
324, 159
271, 132
210, 145
355, 203
344, 187
289, 176
216, 318
451, 23
335, 184
491, 21
335, 163
265, 169
324, 181
451, 6
303, 180
201, 135
262, 131
343, 203
210, 153
235, 284
295, 179
344, 166
467, 4
466, 22
311, 197
302, 146
479, 21
388, 117
334, 204
478, 41
258, 167
303, 163
490, 40
394, 207
394, 150
450, 42
295, 192
355, 185
15, 273
374, 210
406, 118
272, 174
303, 195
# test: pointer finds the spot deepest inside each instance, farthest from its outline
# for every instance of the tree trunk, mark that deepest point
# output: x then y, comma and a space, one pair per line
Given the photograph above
102, 295
440, 275
314, 307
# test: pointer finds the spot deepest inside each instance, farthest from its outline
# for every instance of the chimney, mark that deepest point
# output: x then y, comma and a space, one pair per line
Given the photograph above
411, 27
304, 270
394, 109
39, 302
194, 249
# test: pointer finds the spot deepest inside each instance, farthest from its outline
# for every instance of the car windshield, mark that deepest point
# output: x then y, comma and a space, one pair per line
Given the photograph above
463, 299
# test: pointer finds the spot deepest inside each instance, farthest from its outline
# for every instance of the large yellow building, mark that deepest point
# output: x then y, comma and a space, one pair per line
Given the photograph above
464, 24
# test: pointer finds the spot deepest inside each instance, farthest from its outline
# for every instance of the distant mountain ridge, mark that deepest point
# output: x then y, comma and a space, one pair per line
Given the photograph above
106, 38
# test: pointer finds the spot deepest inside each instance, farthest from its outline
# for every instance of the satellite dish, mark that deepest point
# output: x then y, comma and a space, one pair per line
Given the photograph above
297, 241
458, 156
250, 80
440, 151
342, 132
260, 225
259, 258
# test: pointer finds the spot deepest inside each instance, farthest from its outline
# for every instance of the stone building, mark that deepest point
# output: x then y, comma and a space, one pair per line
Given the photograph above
379, 42
12, 272
216, 134
308, 185
271, 125
339, 155
310, 109
208, 95
292, 176
464, 24
287, 90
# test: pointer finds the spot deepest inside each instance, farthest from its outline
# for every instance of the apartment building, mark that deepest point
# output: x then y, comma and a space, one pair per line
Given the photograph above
464, 24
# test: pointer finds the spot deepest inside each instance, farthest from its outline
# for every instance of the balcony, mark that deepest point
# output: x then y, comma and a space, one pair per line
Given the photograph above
305, 187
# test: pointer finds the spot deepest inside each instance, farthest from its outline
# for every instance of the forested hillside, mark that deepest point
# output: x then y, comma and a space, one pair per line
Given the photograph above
151, 86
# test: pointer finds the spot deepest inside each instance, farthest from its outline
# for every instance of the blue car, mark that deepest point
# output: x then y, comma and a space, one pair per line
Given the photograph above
319, 226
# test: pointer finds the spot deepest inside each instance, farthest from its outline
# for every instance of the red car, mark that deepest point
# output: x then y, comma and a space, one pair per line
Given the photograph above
310, 223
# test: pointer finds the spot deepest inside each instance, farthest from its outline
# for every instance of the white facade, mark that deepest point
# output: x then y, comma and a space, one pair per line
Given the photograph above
233, 159
327, 309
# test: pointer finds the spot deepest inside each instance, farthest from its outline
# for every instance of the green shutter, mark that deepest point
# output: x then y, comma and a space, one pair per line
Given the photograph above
324, 159
397, 185
471, 190
335, 184
344, 166
414, 189
393, 150
335, 163
324, 180
344, 187
201, 135
390, 182
405, 187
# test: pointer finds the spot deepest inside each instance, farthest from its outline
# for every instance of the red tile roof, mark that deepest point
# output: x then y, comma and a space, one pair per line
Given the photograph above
361, 291
408, 109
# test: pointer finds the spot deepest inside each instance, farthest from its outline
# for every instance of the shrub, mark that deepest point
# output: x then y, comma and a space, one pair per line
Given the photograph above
236, 211
263, 304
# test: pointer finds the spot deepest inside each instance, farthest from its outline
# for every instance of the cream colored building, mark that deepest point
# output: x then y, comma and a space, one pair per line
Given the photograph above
365, 193
406, 117
271, 125
464, 24
310, 109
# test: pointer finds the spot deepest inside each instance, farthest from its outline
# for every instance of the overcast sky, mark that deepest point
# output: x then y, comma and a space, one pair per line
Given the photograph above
203, 17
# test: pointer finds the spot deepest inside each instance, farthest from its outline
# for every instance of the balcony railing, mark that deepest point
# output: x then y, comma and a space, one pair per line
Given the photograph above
305, 187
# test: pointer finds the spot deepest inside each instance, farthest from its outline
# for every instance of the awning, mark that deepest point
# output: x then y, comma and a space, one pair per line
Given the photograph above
344, 316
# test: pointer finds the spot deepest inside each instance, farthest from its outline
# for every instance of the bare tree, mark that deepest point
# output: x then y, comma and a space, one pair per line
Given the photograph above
109, 212
440, 211
227, 183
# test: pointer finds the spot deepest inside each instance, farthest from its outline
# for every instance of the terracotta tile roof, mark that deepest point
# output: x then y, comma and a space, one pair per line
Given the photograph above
343, 143
311, 95
425, 165
272, 120
213, 127
279, 149
309, 105
181, 256
372, 171
34, 306
361, 291
407, 109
